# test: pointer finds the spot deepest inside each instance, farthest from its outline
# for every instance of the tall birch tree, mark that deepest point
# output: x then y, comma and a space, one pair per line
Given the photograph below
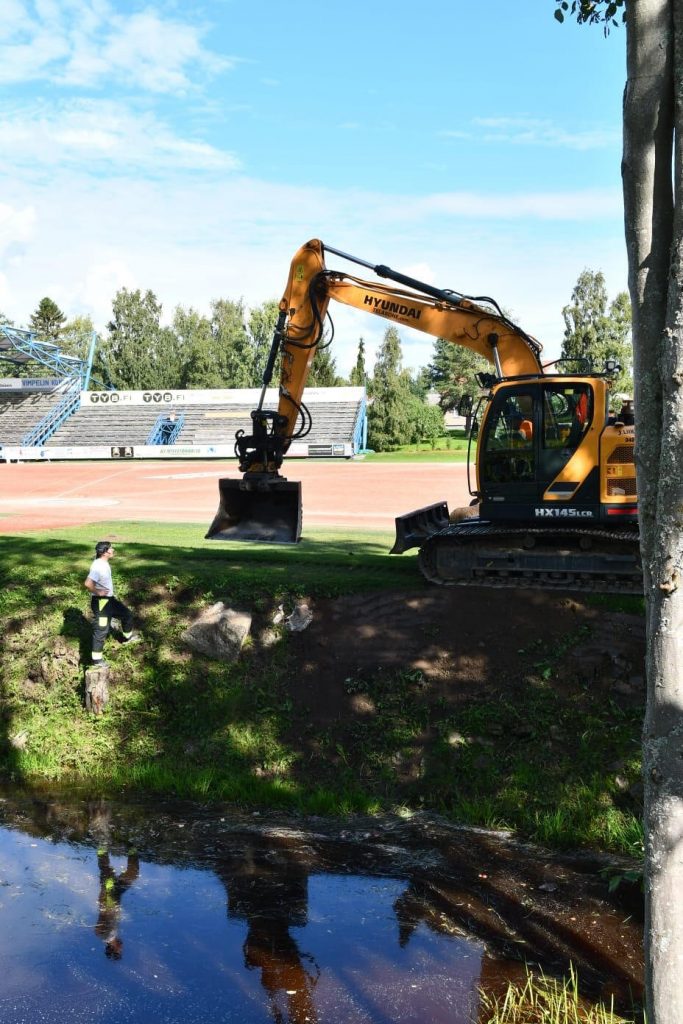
652, 175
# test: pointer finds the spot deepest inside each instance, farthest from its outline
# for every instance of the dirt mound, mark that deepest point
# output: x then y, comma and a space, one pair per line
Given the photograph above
465, 643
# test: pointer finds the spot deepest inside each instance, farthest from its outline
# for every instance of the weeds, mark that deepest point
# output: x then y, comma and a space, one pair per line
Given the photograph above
544, 1000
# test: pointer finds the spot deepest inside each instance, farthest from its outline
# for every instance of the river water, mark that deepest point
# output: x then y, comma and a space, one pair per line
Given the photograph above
115, 912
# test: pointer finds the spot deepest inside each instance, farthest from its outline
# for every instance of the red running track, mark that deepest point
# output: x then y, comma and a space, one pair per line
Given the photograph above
38, 495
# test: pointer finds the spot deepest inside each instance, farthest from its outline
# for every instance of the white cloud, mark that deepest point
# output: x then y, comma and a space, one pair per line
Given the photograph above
194, 238
4, 292
100, 283
521, 131
92, 132
572, 206
86, 42
16, 224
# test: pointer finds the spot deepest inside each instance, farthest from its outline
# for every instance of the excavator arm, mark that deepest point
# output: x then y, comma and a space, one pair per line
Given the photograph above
263, 505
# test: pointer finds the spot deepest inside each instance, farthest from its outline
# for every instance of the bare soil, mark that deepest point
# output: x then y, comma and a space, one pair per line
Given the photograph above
466, 643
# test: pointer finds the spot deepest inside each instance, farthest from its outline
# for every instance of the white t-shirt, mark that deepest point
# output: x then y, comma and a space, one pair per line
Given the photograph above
100, 573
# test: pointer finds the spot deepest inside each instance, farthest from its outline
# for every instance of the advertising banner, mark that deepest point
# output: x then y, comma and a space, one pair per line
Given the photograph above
226, 396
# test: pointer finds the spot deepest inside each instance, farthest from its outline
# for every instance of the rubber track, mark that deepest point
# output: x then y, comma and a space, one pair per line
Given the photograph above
467, 538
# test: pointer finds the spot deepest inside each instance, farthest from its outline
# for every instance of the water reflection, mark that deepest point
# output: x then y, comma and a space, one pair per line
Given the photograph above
112, 888
293, 948
215, 919
270, 893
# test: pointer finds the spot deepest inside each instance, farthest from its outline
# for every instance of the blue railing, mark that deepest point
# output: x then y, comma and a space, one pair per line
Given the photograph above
51, 422
360, 431
164, 430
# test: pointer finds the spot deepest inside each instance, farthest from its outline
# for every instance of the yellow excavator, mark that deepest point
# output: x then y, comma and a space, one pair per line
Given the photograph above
554, 498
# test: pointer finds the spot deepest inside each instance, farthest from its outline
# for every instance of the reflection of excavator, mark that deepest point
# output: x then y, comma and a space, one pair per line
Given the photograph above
555, 477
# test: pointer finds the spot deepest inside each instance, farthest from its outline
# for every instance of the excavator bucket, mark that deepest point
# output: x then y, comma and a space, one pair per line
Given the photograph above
413, 528
269, 512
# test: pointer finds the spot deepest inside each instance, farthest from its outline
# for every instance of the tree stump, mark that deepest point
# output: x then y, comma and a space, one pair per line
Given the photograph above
97, 688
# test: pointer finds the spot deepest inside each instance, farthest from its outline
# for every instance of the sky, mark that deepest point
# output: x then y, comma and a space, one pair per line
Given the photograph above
191, 149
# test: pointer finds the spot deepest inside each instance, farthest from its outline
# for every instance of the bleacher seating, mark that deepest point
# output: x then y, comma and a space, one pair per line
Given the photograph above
121, 424
22, 410
106, 425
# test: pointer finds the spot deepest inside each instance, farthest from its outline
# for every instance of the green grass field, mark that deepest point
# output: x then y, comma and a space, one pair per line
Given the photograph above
452, 447
178, 723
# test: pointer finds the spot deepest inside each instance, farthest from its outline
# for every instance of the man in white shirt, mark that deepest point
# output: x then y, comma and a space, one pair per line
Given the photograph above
105, 606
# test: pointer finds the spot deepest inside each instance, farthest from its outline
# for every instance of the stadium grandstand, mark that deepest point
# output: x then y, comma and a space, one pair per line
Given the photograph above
58, 417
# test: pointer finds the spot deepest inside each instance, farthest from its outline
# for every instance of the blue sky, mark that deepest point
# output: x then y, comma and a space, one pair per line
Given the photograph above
191, 148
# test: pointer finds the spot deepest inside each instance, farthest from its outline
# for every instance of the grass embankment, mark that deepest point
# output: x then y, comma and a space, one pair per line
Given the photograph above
451, 447
181, 724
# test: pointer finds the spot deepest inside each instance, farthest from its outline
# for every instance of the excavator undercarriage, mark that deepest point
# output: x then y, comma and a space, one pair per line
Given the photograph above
480, 553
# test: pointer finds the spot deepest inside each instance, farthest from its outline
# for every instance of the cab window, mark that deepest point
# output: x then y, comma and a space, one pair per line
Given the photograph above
509, 444
567, 414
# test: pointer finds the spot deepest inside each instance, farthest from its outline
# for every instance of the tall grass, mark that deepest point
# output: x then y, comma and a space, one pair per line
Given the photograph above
543, 1000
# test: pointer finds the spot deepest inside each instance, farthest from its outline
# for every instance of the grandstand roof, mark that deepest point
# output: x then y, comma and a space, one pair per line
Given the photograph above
18, 346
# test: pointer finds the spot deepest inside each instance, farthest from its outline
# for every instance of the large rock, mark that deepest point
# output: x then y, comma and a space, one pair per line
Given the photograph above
218, 633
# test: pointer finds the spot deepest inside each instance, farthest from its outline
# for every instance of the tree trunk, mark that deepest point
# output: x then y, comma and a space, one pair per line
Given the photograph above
655, 283
97, 689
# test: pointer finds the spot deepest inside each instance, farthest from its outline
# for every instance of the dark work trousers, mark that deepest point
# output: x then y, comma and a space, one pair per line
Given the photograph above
104, 609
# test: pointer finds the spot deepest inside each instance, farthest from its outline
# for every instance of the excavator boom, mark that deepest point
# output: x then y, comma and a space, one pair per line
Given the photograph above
263, 505
555, 493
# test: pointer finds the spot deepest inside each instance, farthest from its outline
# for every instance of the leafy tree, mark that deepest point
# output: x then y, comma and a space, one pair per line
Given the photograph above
138, 353
421, 383
426, 420
323, 371
653, 184
452, 371
359, 374
76, 337
598, 332
6, 320
47, 320
261, 325
396, 415
195, 347
234, 351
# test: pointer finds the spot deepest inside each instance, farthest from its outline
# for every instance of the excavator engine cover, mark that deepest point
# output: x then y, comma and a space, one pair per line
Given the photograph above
413, 528
262, 511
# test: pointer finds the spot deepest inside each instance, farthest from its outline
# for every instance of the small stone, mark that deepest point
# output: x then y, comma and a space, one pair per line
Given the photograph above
278, 615
300, 619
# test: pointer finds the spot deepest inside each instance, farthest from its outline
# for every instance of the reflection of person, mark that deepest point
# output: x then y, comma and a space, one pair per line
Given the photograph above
104, 605
112, 888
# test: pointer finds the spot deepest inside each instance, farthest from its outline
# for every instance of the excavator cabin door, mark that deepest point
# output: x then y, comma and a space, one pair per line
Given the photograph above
529, 468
